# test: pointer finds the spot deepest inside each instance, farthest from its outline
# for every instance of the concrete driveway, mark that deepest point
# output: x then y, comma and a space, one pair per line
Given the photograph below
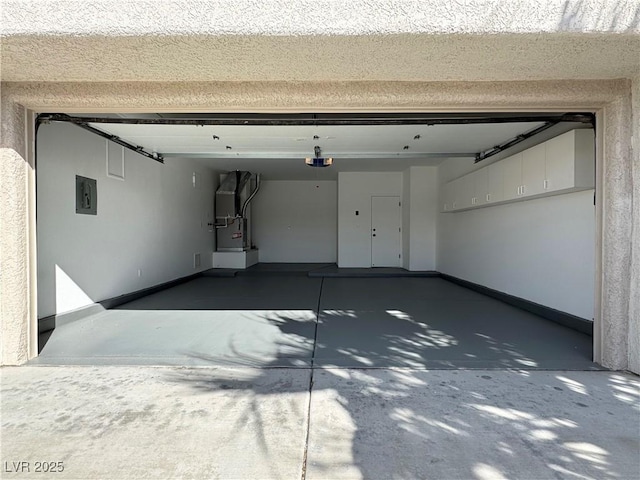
135, 422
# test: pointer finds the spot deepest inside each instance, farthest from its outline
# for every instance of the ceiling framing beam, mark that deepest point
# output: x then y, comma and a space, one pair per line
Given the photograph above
319, 119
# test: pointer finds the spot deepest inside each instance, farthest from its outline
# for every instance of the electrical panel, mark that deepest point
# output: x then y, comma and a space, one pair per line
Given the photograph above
86, 196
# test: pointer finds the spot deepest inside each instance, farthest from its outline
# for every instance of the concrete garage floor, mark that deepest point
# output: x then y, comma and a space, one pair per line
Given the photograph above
411, 378
270, 320
110, 422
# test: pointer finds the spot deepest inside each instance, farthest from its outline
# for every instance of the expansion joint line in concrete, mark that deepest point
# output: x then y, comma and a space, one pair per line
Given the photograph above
315, 333
313, 355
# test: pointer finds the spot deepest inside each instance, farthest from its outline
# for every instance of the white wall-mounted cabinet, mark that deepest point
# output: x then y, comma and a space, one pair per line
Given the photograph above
495, 183
480, 187
524, 173
512, 176
563, 164
465, 192
534, 170
570, 161
448, 197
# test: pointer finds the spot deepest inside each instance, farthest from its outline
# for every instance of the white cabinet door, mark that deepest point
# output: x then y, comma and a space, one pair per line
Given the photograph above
512, 170
495, 180
447, 197
560, 164
466, 188
533, 170
481, 186
456, 194
563, 164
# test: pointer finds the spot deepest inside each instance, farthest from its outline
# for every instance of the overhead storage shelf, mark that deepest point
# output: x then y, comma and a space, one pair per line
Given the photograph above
561, 165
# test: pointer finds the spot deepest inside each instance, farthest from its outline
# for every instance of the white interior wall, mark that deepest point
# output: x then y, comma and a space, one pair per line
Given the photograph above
296, 221
153, 221
355, 190
542, 250
406, 219
423, 208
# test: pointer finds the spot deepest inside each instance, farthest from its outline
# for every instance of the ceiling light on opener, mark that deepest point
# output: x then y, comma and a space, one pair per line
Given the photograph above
318, 161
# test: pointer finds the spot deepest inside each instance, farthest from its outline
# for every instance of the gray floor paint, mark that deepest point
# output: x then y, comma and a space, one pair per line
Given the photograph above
388, 272
432, 323
106, 422
269, 320
245, 321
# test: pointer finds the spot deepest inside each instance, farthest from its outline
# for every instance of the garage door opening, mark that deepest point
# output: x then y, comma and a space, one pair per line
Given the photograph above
448, 241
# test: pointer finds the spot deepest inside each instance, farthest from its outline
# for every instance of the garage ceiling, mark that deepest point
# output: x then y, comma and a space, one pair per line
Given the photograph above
278, 151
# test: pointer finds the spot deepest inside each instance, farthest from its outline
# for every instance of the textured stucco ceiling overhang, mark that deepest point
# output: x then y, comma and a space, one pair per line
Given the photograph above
276, 40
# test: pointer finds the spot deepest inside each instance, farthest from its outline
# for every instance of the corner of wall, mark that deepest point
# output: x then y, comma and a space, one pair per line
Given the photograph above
634, 298
16, 312
406, 219
423, 217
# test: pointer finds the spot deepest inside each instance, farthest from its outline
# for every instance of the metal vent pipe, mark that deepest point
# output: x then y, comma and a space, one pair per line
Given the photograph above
253, 194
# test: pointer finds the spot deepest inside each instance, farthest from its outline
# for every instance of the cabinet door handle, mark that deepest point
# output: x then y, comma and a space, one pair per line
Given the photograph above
546, 184
523, 189
488, 197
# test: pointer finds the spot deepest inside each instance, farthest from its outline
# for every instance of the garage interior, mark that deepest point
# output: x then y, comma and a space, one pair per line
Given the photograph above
430, 241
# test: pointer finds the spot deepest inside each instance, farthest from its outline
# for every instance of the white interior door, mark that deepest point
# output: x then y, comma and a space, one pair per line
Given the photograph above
385, 232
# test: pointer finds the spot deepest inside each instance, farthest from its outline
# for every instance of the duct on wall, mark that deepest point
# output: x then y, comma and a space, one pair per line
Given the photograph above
233, 232
253, 194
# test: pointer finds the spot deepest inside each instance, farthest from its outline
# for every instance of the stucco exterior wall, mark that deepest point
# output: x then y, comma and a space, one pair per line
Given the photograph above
634, 305
610, 98
403, 57
314, 96
317, 17
16, 176
617, 225
323, 40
